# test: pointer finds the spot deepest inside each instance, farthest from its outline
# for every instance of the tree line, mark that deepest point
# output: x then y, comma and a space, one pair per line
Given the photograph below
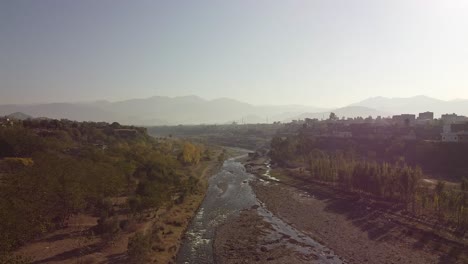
391, 181
396, 182
439, 157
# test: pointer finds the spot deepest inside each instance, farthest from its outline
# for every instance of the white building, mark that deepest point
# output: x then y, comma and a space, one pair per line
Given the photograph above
455, 136
459, 135
449, 137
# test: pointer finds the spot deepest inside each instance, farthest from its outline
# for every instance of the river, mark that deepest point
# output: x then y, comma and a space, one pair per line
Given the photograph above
228, 193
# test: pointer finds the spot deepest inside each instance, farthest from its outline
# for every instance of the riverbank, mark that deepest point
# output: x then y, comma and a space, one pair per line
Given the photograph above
253, 234
228, 193
172, 228
77, 243
356, 230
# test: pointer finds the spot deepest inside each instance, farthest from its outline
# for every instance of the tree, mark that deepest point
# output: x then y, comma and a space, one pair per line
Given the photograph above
462, 204
439, 195
333, 117
190, 154
115, 125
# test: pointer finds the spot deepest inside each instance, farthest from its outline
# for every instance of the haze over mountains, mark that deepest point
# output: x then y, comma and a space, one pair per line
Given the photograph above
416, 104
161, 110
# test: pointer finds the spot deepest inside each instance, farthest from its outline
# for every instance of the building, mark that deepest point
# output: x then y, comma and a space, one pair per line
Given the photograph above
311, 121
458, 127
463, 136
453, 118
455, 136
404, 119
455, 132
426, 116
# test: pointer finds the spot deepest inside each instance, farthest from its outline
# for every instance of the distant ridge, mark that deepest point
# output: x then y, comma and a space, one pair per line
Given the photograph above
162, 110
18, 116
72, 111
415, 105
191, 109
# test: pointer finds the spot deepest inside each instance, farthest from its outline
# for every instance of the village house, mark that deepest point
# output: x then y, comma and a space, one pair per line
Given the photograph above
404, 119
455, 132
425, 118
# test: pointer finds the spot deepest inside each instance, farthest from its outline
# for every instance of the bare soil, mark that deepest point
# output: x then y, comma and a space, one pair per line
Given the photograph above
244, 239
354, 229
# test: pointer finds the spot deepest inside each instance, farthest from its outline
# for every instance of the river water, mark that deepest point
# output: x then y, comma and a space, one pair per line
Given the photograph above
228, 193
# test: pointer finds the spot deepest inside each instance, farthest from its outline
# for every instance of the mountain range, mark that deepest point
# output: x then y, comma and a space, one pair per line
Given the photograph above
416, 104
161, 110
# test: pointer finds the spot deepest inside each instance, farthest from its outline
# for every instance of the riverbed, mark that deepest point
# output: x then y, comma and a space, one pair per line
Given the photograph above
231, 221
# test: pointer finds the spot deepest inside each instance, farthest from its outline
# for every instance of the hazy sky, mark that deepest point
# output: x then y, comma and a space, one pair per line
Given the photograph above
323, 53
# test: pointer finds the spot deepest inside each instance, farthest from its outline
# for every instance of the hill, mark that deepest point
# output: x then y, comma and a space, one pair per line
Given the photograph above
415, 105
19, 116
196, 110
95, 182
191, 110
161, 110
78, 112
